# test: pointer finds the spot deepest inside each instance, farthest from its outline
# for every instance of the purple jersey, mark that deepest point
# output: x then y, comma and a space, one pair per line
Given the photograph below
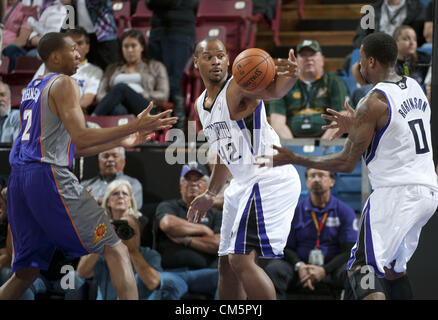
42, 136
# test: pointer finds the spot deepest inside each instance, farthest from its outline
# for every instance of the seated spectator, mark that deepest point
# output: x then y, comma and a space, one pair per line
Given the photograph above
190, 249
5, 240
152, 283
5, 254
390, 14
410, 62
16, 31
50, 19
9, 119
129, 85
320, 240
111, 165
298, 114
88, 75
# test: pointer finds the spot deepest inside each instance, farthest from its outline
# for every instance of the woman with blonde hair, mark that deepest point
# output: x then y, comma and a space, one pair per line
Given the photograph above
118, 201
152, 283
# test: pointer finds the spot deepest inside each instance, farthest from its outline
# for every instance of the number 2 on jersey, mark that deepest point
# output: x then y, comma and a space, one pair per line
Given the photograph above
417, 129
27, 116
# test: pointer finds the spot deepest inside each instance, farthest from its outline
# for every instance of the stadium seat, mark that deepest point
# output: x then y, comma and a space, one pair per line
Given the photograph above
110, 121
122, 15
16, 93
274, 25
27, 65
142, 15
205, 31
234, 15
4, 66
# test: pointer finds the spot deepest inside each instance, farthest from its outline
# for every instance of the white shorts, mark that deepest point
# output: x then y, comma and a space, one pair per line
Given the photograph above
390, 227
259, 215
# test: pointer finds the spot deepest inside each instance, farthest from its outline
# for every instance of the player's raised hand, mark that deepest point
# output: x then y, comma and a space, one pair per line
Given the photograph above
199, 207
283, 156
340, 121
160, 121
287, 67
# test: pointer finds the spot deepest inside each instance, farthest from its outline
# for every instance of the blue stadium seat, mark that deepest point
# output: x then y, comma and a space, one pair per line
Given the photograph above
348, 186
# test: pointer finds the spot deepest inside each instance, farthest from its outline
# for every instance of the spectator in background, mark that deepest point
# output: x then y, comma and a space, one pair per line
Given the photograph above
152, 282
190, 249
129, 85
265, 7
298, 114
9, 119
51, 19
427, 47
322, 234
5, 240
111, 165
88, 75
171, 41
390, 14
16, 31
410, 62
5, 254
97, 18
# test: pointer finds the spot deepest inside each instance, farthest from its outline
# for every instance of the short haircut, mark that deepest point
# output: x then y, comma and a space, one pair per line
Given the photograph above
78, 32
206, 40
382, 47
49, 43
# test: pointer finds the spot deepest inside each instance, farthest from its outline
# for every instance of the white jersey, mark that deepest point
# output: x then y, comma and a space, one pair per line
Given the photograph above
237, 142
401, 152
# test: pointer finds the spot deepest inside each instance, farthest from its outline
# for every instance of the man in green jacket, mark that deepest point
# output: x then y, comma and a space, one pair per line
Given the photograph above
298, 114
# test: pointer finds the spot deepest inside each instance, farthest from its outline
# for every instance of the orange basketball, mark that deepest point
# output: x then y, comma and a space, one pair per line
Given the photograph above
253, 69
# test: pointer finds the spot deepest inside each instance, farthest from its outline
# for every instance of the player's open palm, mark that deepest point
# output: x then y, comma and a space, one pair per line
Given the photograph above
199, 207
158, 121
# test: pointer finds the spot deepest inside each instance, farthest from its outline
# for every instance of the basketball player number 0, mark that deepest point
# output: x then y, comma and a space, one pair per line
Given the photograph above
27, 115
417, 129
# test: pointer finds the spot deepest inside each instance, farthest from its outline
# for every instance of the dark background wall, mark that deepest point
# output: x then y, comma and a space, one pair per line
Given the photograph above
161, 182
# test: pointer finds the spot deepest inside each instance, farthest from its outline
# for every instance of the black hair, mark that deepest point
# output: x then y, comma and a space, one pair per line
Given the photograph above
79, 31
49, 43
332, 174
206, 40
382, 47
136, 34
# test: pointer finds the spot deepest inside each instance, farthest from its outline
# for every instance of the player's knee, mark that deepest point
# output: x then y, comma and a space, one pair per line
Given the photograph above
118, 252
364, 285
240, 262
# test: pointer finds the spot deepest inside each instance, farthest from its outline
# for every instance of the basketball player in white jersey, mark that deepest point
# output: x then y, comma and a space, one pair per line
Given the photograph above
259, 203
391, 129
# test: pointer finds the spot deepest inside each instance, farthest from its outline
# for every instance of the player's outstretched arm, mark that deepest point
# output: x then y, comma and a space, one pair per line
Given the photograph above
242, 102
369, 116
64, 101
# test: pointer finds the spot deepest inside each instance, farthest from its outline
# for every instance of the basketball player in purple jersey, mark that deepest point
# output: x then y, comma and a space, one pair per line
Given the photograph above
47, 207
